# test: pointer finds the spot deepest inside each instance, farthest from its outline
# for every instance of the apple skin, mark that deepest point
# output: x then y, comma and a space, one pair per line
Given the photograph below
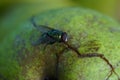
88, 31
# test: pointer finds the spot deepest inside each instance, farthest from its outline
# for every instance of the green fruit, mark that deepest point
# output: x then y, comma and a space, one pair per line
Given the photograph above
88, 31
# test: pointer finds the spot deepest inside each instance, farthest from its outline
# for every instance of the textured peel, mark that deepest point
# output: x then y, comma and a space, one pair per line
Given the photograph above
88, 32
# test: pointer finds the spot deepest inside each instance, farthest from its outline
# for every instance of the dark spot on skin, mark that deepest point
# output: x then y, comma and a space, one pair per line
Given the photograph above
93, 45
90, 20
19, 46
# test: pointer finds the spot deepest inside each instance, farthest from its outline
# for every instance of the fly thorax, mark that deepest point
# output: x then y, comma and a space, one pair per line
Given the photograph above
56, 35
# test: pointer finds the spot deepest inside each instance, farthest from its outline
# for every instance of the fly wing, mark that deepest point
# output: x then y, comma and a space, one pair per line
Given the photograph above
43, 39
41, 28
38, 42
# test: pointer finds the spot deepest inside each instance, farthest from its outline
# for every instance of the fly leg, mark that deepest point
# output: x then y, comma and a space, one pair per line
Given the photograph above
90, 55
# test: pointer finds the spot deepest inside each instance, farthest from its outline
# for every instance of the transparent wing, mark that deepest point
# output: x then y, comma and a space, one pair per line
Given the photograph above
38, 42
43, 40
41, 28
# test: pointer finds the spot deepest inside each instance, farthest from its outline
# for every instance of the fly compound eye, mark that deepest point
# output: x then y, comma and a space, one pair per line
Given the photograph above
64, 37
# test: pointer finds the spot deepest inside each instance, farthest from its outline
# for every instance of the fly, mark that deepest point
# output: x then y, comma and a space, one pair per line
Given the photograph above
49, 35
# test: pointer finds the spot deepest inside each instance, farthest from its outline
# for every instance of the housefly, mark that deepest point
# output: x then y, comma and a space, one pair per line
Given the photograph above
49, 35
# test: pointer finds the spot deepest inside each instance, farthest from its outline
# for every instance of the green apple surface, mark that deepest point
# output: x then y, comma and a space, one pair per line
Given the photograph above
88, 31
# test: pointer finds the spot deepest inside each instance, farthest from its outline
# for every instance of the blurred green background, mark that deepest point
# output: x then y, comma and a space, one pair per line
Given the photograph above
15, 12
